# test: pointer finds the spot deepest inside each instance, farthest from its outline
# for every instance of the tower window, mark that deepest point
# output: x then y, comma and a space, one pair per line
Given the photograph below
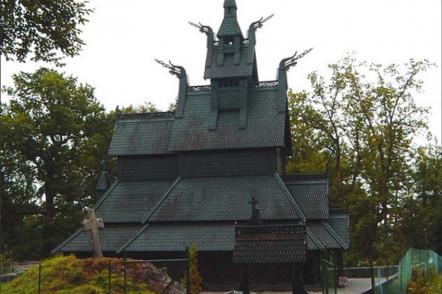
228, 41
228, 83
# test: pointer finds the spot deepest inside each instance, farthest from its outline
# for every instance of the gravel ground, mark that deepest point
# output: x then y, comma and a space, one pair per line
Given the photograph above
355, 286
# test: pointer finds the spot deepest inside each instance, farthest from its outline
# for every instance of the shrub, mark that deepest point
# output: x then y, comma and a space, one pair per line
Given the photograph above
67, 274
429, 283
194, 274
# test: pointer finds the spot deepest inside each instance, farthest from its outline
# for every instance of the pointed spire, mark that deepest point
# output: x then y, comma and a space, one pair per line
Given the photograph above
230, 26
230, 3
104, 181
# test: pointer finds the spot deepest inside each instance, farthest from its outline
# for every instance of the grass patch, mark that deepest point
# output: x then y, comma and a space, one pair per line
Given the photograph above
68, 274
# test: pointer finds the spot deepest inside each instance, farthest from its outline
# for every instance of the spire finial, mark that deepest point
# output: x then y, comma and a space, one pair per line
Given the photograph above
230, 26
230, 3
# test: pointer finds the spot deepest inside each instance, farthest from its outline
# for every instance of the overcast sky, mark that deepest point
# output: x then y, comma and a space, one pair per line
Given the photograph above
123, 38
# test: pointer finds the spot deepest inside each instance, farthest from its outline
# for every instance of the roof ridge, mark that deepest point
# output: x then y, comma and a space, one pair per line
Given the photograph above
334, 235
226, 176
106, 194
62, 244
151, 212
148, 216
314, 238
96, 206
133, 238
290, 196
159, 114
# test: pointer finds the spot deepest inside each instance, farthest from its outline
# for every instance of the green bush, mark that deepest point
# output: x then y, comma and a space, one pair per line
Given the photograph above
425, 283
194, 274
68, 274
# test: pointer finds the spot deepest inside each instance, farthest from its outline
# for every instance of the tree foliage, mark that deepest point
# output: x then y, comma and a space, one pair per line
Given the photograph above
359, 126
54, 136
45, 30
54, 139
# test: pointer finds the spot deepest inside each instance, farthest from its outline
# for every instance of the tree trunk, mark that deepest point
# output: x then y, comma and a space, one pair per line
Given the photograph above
50, 209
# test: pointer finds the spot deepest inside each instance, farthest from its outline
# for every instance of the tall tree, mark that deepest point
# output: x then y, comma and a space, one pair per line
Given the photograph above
421, 221
42, 30
57, 133
362, 122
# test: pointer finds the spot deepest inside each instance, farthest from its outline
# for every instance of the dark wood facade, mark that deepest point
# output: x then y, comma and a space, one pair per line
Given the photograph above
185, 177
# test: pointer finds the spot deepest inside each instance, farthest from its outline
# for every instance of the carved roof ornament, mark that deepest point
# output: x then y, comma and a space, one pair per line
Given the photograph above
175, 70
259, 23
288, 62
202, 28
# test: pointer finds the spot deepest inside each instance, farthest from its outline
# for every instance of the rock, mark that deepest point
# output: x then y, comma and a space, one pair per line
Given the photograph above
159, 281
8, 277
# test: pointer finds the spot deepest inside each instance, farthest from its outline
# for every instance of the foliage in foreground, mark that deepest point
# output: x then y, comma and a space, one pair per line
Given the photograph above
194, 274
67, 274
421, 283
42, 30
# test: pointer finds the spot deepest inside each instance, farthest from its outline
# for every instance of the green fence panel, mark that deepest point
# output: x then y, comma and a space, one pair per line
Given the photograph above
329, 278
414, 259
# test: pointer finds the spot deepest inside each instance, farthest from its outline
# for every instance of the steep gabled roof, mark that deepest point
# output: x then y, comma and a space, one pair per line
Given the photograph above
176, 236
265, 125
312, 194
104, 182
156, 134
229, 69
226, 199
341, 225
320, 235
130, 201
141, 134
216, 236
112, 237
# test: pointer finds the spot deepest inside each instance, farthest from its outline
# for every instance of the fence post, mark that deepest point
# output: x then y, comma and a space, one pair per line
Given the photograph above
110, 276
39, 278
336, 279
372, 276
326, 277
124, 274
324, 269
188, 271
1, 269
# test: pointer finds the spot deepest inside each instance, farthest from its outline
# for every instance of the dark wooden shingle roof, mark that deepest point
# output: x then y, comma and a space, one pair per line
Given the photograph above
265, 125
147, 134
130, 201
112, 237
141, 134
226, 199
283, 243
176, 236
311, 193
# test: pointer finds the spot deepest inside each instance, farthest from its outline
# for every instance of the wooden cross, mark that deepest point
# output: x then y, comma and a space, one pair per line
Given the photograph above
92, 224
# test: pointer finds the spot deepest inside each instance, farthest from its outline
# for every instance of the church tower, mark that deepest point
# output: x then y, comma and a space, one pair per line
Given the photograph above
186, 177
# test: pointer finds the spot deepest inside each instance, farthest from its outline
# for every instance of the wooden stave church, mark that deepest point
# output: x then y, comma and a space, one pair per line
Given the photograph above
186, 177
